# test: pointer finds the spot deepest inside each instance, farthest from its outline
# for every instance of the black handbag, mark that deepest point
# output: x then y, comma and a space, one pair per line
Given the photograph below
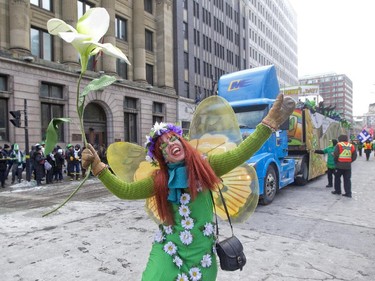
230, 250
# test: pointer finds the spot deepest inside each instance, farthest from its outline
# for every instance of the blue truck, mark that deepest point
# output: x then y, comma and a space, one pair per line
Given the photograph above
286, 157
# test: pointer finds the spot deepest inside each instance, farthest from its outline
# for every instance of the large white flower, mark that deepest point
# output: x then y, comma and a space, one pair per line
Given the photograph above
186, 237
206, 261
170, 248
185, 198
208, 229
158, 127
187, 223
195, 274
168, 229
184, 211
178, 261
159, 237
182, 277
91, 27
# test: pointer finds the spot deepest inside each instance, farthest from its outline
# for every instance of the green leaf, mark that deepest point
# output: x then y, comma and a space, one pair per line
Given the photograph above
52, 133
94, 85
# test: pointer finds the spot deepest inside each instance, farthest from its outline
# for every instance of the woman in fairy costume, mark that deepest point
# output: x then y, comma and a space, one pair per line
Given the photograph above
183, 248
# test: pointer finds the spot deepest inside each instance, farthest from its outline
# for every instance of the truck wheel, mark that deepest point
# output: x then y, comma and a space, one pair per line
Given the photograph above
271, 186
303, 175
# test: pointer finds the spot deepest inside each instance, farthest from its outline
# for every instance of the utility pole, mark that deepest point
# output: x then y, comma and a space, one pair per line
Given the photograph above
27, 150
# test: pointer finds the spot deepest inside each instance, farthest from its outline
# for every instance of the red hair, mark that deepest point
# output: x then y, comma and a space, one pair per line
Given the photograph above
199, 172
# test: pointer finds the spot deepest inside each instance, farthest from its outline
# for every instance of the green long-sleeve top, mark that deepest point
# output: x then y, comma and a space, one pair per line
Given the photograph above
330, 159
220, 163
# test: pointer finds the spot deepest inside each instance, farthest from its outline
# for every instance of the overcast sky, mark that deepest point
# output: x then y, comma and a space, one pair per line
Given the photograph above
339, 36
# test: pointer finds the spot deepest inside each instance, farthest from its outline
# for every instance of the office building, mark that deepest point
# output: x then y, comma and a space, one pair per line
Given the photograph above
336, 90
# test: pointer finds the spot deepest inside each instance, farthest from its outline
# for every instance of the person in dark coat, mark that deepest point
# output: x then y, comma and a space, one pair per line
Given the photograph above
59, 163
3, 166
39, 165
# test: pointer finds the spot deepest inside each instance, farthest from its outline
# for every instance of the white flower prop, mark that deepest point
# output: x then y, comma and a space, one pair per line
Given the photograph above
170, 248
91, 27
185, 198
159, 237
168, 229
195, 274
186, 237
187, 223
206, 261
177, 261
184, 211
208, 229
182, 277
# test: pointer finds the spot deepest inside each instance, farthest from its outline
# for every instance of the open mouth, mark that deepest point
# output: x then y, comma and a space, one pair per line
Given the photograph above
175, 151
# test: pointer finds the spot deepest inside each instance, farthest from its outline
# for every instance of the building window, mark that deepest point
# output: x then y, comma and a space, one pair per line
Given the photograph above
49, 111
52, 107
121, 31
157, 112
83, 7
150, 74
186, 60
148, 6
51, 91
130, 119
185, 30
44, 4
148, 40
41, 44
3, 120
185, 125
186, 90
3, 83
122, 69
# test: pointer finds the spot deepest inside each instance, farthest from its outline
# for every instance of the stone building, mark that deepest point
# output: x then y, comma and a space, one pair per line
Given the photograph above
42, 71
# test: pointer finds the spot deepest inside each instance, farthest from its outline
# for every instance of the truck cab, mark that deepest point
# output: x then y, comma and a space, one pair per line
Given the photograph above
251, 93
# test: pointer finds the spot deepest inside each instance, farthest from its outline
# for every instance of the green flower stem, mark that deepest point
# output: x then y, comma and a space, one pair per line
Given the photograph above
81, 127
72, 194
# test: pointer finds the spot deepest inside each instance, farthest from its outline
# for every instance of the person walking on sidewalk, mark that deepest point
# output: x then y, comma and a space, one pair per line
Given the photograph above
368, 148
3, 166
359, 147
17, 163
330, 160
344, 154
183, 246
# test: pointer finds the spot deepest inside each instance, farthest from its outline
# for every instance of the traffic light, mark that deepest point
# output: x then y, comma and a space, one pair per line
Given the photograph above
17, 118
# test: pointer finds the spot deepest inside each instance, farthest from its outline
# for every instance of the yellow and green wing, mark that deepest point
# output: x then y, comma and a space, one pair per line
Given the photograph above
214, 129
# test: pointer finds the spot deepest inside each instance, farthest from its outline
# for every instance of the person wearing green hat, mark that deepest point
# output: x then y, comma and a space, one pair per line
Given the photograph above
17, 163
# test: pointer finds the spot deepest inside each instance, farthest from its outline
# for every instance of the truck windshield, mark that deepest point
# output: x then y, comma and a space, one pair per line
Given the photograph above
250, 117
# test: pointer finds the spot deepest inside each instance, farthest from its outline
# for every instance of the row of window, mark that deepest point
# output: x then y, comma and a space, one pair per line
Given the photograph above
53, 103
83, 5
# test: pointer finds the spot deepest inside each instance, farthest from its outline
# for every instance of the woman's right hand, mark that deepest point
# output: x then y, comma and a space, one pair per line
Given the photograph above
90, 157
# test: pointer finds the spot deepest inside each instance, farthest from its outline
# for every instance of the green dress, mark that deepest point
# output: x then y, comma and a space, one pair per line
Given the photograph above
185, 251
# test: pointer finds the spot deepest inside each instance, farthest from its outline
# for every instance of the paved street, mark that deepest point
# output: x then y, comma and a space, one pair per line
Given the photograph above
305, 234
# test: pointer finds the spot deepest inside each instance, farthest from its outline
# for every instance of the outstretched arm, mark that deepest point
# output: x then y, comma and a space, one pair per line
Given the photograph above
124, 190
279, 113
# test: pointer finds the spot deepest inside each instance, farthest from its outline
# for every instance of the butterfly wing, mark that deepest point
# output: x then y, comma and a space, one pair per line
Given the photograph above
127, 161
214, 129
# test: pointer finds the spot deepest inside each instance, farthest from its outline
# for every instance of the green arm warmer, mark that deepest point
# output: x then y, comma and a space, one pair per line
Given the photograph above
225, 162
133, 190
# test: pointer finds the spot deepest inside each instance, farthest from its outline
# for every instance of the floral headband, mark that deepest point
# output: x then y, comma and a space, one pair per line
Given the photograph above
156, 131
